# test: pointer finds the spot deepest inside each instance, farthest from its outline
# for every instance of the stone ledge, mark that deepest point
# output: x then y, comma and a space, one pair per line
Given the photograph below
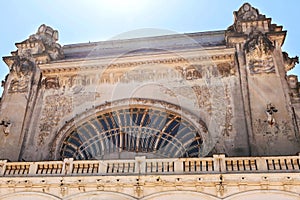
141, 165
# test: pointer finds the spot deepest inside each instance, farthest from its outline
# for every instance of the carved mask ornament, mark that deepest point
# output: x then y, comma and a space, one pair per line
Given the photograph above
259, 53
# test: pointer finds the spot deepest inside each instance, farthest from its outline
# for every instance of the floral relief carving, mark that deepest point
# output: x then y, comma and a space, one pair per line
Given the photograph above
216, 101
203, 97
54, 109
227, 128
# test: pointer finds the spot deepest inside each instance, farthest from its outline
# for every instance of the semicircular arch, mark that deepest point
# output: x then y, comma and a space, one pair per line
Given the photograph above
100, 195
191, 195
29, 196
264, 194
132, 126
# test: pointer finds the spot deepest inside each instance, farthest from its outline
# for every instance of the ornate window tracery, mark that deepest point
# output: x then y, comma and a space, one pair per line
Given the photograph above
133, 130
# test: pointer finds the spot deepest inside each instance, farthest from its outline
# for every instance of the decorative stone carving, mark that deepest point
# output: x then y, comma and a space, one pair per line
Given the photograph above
259, 53
54, 109
42, 46
21, 70
147, 73
19, 85
226, 69
294, 87
3, 82
228, 124
140, 75
247, 12
221, 115
270, 111
41, 137
289, 62
38, 48
258, 66
191, 72
21, 67
6, 125
51, 82
228, 127
247, 20
203, 96
258, 45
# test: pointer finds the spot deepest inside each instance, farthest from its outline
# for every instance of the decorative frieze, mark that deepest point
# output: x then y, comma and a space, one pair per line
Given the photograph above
191, 72
123, 65
143, 73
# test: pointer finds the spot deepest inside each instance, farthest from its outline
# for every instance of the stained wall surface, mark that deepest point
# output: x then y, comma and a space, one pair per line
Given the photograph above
207, 115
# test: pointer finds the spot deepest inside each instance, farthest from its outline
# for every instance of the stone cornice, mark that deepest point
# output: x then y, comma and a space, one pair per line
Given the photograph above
205, 56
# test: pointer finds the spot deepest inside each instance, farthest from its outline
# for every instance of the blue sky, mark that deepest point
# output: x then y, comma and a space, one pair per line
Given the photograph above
81, 21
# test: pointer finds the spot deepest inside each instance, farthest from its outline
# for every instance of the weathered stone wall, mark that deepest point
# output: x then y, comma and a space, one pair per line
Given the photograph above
234, 82
206, 87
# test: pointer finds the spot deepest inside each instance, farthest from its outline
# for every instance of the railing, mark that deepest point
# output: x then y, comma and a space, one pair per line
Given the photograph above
141, 165
199, 165
241, 164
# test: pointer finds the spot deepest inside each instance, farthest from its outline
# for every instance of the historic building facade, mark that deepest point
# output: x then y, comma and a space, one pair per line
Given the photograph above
154, 117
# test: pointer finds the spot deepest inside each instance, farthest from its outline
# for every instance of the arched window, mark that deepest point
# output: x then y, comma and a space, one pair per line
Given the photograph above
130, 131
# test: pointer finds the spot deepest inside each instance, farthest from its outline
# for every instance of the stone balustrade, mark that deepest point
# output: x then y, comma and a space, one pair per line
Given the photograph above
141, 165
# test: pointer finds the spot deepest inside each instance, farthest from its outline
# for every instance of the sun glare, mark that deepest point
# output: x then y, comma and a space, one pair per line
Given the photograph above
124, 6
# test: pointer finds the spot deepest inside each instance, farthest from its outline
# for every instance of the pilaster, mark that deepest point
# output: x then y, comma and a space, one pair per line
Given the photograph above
22, 86
265, 92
